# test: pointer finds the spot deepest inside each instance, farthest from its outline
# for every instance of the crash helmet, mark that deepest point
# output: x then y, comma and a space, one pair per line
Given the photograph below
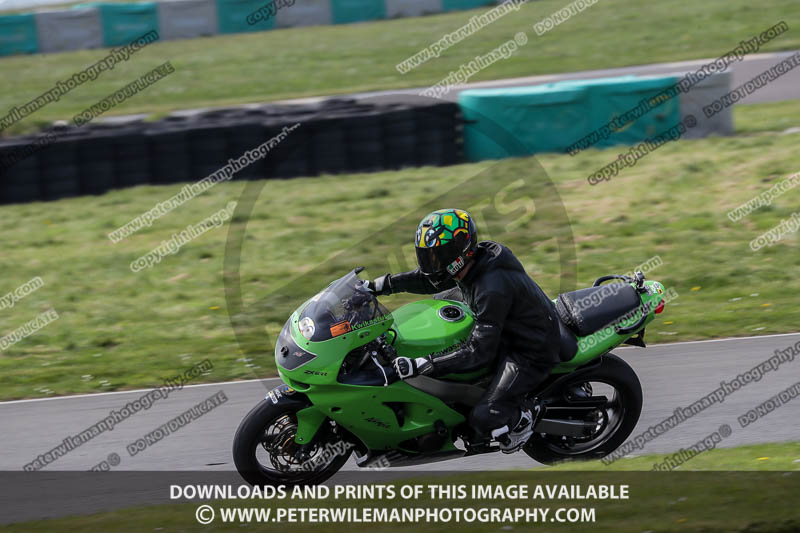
444, 242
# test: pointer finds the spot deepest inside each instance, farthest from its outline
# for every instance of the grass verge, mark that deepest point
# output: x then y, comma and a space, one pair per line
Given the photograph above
118, 329
711, 502
783, 457
298, 62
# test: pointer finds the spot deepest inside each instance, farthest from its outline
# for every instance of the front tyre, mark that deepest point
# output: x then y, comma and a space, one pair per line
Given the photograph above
265, 452
616, 380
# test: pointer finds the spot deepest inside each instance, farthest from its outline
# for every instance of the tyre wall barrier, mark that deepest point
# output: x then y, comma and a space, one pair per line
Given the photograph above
349, 11
123, 23
305, 13
454, 5
18, 34
552, 117
232, 16
98, 24
186, 19
702, 94
74, 29
412, 8
21, 182
334, 137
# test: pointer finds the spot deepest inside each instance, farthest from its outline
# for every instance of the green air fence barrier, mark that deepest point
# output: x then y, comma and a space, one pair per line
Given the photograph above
232, 15
454, 5
346, 11
123, 23
551, 117
18, 35
611, 97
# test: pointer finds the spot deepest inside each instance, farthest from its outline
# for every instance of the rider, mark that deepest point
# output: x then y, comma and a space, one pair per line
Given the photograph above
516, 325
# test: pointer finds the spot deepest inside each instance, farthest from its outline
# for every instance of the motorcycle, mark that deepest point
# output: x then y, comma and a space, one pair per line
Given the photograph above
341, 395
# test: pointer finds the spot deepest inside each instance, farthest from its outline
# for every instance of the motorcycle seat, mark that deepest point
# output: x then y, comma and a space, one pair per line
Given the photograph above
586, 311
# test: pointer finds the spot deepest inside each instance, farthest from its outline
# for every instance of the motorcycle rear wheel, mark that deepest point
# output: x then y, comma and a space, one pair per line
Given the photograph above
625, 407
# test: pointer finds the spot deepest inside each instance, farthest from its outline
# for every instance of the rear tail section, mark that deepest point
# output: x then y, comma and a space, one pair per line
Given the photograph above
602, 317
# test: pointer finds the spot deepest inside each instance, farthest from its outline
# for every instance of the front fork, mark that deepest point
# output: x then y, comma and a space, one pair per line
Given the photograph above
309, 421
309, 418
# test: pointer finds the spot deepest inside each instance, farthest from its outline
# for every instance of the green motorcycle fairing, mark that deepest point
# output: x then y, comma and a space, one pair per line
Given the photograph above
345, 318
320, 334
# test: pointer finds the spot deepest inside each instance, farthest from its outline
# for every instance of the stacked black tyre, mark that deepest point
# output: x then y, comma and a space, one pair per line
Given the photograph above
168, 145
97, 160
328, 144
438, 135
208, 147
364, 137
333, 137
291, 158
19, 172
399, 137
131, 157
59, 170
243, 137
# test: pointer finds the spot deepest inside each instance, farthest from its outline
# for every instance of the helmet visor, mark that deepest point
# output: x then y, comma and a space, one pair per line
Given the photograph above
434, 260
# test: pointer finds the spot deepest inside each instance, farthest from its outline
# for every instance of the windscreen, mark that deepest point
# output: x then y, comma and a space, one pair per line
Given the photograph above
342, 307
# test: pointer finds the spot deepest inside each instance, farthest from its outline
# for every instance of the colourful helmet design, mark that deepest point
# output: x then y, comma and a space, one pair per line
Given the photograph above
444, 240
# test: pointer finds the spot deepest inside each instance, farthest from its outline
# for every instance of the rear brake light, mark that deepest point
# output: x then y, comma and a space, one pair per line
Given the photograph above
660, 306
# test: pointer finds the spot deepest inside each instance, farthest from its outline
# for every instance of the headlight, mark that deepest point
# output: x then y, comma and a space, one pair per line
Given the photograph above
307, 328
288, 354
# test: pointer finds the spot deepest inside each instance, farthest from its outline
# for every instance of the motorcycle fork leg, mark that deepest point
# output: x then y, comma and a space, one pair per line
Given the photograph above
309, 421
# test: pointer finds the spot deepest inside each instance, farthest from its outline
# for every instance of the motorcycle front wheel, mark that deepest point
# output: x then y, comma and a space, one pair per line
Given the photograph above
265, 451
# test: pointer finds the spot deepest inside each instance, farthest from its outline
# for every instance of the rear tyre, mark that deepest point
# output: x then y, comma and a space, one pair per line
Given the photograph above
265, 453
619, 416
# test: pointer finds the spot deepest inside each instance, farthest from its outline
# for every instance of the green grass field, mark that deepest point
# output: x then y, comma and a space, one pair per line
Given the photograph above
120, 330
300, 62
782, 457
771, 117
716, 499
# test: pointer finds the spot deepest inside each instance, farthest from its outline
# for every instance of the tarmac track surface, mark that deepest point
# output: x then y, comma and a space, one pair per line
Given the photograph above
672, 376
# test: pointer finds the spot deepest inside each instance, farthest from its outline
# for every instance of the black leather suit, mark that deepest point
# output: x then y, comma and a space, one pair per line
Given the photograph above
516, 327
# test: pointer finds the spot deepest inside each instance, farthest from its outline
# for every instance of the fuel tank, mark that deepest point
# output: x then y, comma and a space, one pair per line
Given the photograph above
430, 326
